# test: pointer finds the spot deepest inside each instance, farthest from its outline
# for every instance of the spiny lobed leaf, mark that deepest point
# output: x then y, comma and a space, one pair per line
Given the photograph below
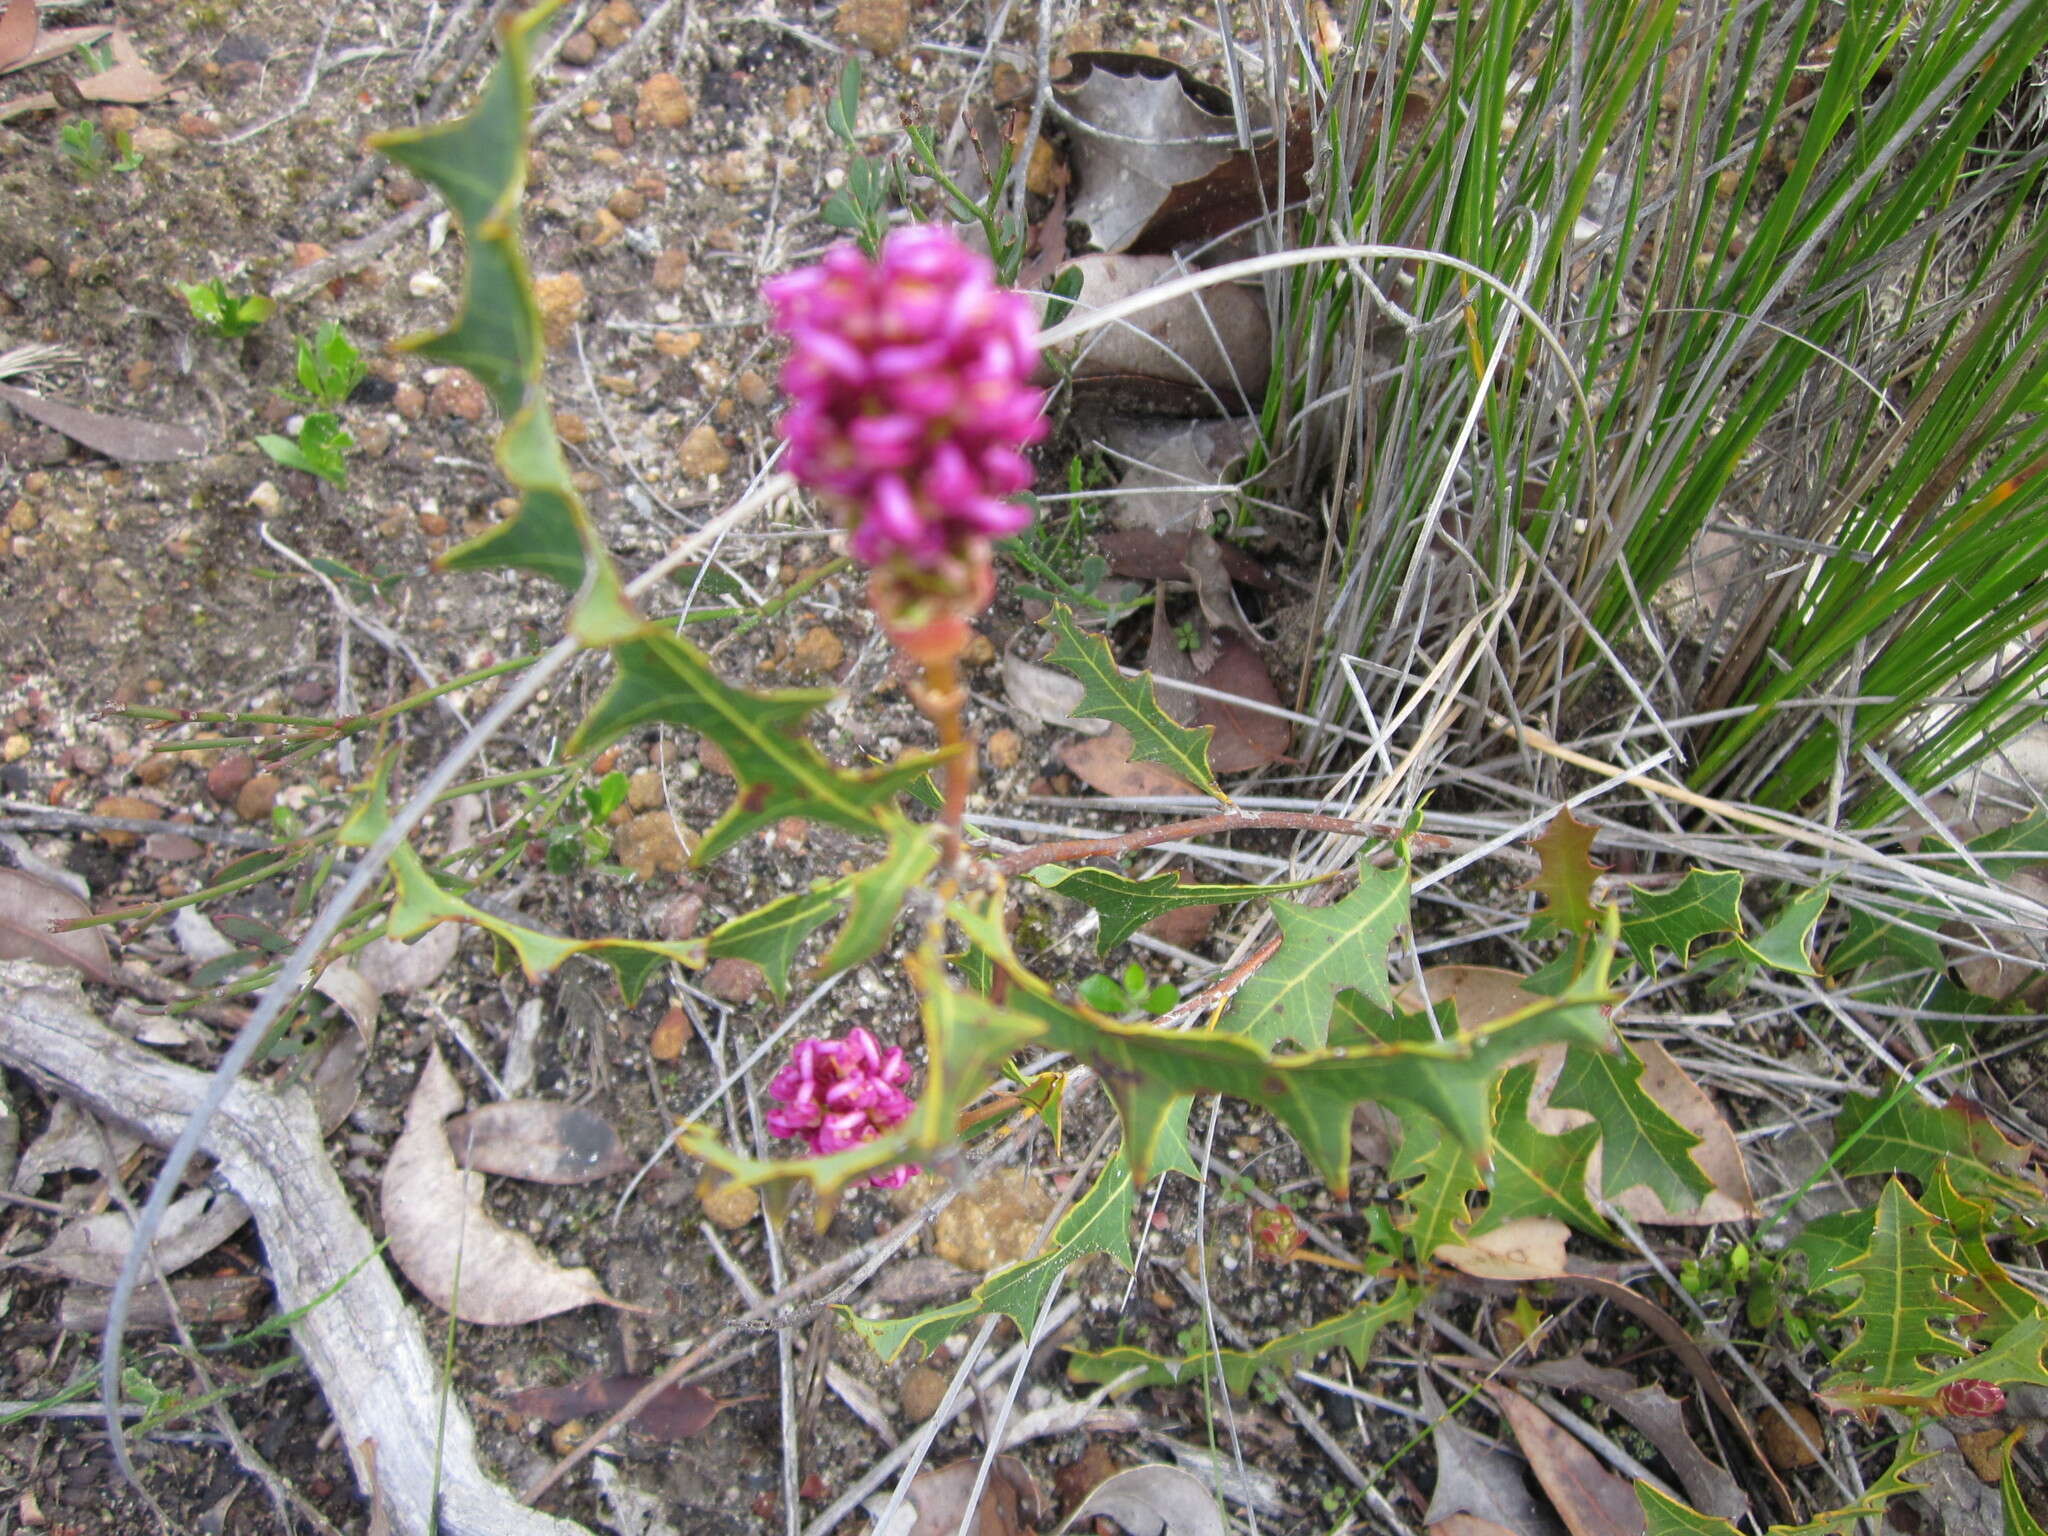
1704, 902
1535, 1174
1904, 1293
1439, 1209
1640, 1143
1323, 951
771, 935
1100, 1222
1156, 737
1783, 946
1665, 1516
1151, 1072
420, 903
662, 677
1353, 1331
1565, 879
1910, 1136
478, 163
1126, 905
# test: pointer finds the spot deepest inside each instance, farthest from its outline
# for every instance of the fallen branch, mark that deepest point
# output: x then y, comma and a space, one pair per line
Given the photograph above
364, 1345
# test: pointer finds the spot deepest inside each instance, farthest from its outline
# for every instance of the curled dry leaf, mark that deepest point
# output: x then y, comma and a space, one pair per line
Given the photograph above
72, 1139
94, 1248
1046, 696
444, 1240
29, 908
1529, 1248
1138, 127
334, 1077
1591, 1499
1011, 1504
1176, 476
1143, 555
348, 989
1154, 1501
535, 1139
676, 1413
1479, 1482
390, 965
1104, 764
127, 439
1203, 354
50, 43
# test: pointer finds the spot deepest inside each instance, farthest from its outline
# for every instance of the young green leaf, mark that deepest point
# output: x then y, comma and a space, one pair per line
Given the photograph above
876, 893
1640, 1143
1323, 951
1126, 905
1439, 1210
1786, 944
1564, 879
1107, 694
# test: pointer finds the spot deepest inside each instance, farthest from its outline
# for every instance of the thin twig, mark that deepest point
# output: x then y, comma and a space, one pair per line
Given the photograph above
1114, 845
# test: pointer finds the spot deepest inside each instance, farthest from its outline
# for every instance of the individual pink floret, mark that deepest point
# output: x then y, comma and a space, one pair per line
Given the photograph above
836, 1094
910, 394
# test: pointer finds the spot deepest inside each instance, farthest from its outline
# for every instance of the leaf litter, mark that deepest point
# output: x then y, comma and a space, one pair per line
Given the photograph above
94, 1248
444, 1240
29, 909
537, 1140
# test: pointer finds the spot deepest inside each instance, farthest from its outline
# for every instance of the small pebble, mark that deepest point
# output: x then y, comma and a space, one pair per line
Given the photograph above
578, 48
703, 455
425, 285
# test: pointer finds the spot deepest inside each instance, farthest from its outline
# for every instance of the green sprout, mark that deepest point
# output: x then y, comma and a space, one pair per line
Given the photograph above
85, 150
330, 366
319, 449
1130, 994
226, 315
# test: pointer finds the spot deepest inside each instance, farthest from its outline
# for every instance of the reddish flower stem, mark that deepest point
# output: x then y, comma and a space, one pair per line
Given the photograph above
1202, 826
941, 699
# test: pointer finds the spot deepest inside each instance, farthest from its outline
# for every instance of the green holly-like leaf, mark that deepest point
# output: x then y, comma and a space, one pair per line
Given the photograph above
662, 677
420, 903
478, 163
875, 894
1989, 1302
1534, 1174
1870, 940
1904, 1134
770, 936
1904, 1279
1323, 951
1100, 1222
1639, 1141
1564, 879
1352, 1331
1786, 945
1438, 1211
966, 1036
1151, 1072
1106, 694
2019, 1519
1704, 902
1665, 1516
1126, 905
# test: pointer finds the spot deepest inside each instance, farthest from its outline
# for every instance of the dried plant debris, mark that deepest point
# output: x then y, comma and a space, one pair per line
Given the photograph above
677, 1412
1205, 353
535, 1139
1153, 1501
125, 439
94, 1248
444, 1240
29, 909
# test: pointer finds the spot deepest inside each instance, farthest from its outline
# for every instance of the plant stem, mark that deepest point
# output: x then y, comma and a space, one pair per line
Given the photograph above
941, 698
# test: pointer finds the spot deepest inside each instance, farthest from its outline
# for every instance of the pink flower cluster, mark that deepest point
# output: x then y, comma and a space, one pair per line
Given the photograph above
910, 394
836, 1094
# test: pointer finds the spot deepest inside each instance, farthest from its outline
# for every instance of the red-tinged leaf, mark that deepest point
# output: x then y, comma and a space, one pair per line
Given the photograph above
1591, 1499
1565, 881
1010, 1505
28, 910
676, 1413
128, 439
17, 32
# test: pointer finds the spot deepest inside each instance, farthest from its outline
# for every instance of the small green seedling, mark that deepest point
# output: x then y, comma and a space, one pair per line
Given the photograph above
85, 150
330, 366
579, 838
95, 58
1131, 994
226, 315
320, 448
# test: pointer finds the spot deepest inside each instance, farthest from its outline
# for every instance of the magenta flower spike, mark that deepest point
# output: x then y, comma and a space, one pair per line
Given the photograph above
910, 396
836, 1094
